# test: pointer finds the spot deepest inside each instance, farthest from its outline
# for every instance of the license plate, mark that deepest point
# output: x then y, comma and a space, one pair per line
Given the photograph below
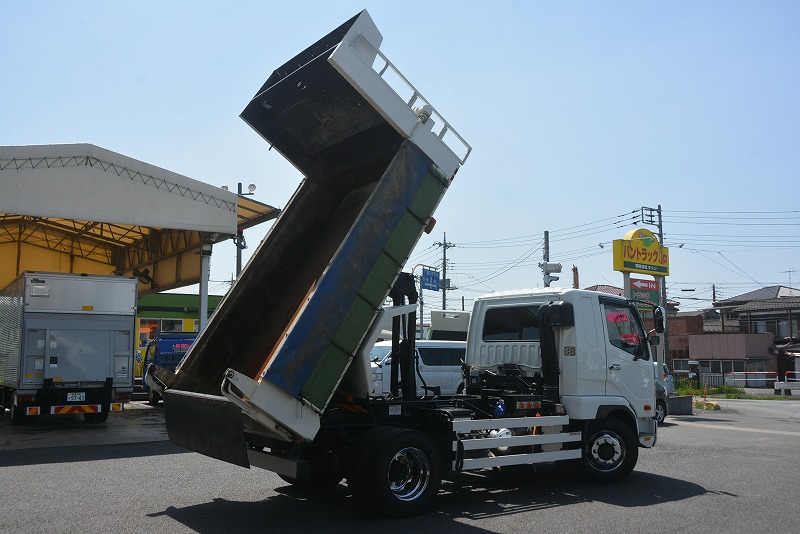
76, 397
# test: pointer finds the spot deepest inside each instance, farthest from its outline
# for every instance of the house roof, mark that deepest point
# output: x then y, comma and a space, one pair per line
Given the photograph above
773, 304
769, 292
612, 290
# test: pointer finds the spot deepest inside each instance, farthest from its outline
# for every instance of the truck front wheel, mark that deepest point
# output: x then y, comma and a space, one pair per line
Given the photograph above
610, 450
399, 472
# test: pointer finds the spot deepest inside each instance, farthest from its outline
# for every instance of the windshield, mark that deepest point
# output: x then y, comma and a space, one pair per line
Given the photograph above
379, 352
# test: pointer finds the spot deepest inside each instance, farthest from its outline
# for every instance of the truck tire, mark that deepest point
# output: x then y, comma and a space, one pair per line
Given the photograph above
661, 411
153, 398
17, 418
610, 450
398, 473
101, 417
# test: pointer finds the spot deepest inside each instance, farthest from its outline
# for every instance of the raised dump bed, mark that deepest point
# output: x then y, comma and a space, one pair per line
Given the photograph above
375, 170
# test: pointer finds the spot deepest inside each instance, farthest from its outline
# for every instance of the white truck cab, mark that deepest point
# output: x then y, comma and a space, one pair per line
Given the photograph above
599, 362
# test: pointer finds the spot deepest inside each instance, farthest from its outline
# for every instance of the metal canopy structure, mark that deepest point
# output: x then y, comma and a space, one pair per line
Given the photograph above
83, 209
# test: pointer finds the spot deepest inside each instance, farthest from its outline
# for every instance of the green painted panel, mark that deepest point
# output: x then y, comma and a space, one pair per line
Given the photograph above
325, 376
379, 280
404, 236
430, 191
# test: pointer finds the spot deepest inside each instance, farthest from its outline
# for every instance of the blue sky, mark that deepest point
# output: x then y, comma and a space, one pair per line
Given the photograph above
579, 114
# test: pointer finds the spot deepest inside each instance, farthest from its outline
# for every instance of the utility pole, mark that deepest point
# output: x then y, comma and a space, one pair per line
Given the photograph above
546, 266
239, 241
546, 248
663, 279
445, 283
444, 273
721, 309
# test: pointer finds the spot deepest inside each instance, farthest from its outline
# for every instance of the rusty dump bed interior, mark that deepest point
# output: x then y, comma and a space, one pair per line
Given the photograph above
303, 303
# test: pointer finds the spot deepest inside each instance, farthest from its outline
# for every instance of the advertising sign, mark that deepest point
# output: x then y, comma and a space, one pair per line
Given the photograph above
640, 252
644, 290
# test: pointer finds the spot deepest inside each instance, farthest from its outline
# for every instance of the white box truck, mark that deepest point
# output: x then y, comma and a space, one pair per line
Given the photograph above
66, 344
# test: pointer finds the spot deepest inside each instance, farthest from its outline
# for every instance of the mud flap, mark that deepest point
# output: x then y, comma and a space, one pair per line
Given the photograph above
208, 424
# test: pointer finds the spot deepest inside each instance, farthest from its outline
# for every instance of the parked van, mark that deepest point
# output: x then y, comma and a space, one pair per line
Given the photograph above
439, 362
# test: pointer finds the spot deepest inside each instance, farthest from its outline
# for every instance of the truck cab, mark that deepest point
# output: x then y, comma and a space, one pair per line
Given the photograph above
166, 351
597, 361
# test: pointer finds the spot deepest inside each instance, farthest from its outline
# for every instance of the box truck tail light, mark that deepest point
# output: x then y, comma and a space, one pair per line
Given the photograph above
25, 398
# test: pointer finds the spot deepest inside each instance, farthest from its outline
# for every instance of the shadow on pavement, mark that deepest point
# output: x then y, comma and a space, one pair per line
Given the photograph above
465, 496
81, 453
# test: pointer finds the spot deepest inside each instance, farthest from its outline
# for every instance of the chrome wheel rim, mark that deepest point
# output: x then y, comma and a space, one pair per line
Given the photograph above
409, 474
606, 451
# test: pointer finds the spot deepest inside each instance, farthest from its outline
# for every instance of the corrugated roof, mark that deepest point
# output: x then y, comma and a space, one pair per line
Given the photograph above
82, 208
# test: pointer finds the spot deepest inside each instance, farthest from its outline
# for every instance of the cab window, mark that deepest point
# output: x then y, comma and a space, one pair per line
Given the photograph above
624, 331
518, 323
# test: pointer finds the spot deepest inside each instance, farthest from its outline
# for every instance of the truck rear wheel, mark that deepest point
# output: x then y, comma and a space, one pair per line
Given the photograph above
610, 450
398, 472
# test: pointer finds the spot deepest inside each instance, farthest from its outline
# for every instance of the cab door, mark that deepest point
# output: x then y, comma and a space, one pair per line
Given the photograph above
629, 368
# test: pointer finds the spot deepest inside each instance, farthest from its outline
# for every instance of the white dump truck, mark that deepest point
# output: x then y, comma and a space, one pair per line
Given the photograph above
66, 344
281, 377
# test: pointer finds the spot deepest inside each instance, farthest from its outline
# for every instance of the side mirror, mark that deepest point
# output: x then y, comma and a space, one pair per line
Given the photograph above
654, 341
659, 315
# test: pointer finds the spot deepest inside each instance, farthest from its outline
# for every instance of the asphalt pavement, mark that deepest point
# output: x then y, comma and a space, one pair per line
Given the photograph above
137, 423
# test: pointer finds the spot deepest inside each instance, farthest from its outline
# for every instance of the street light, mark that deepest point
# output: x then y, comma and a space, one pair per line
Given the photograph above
239, 241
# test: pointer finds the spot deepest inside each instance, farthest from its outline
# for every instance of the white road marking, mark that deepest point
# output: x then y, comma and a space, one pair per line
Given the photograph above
739, 428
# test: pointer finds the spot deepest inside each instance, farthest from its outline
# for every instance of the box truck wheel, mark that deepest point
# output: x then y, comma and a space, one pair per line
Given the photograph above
101, 417
16, 416
398, 473
610, 450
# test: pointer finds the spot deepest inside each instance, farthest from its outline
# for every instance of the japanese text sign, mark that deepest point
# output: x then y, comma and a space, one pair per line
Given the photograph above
640, 252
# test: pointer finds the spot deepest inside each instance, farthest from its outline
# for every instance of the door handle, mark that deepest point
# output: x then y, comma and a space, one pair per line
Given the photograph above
614, 367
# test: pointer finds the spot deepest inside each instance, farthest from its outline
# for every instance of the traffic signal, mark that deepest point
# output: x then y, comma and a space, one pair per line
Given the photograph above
547, 268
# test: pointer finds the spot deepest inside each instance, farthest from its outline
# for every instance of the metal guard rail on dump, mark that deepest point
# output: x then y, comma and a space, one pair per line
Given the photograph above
426, 109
